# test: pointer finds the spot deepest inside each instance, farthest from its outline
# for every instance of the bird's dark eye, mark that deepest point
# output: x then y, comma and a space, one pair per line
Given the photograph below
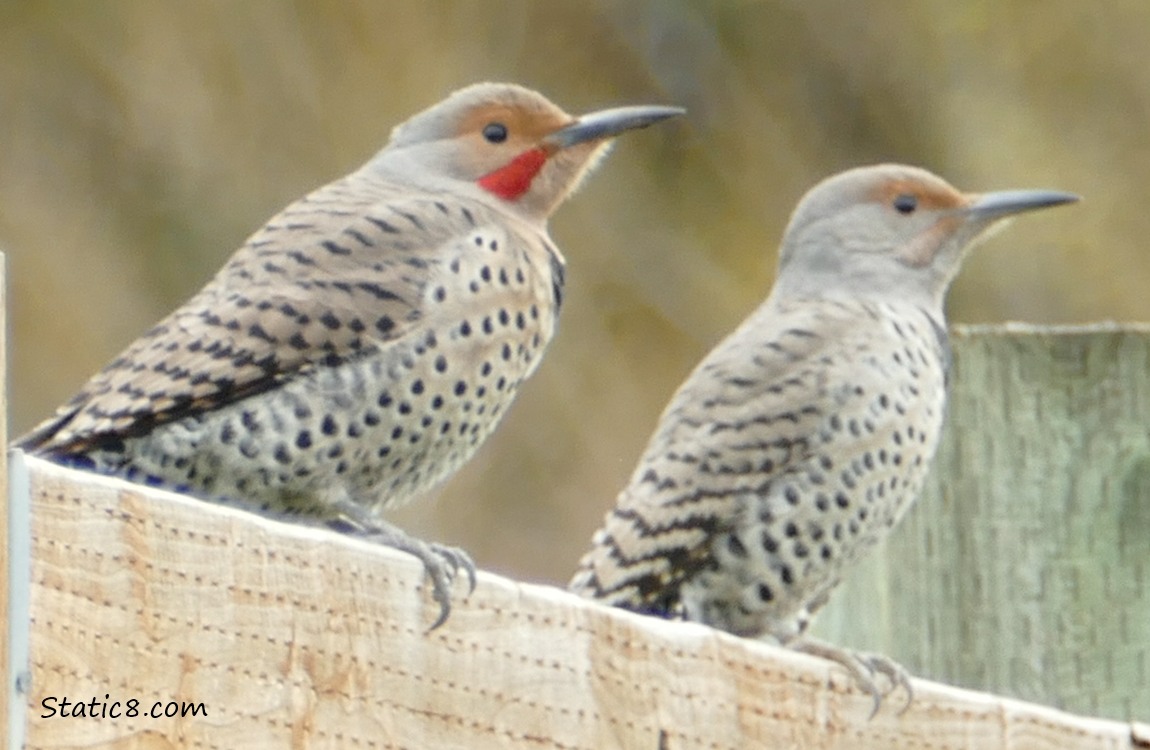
905, 203
495, 132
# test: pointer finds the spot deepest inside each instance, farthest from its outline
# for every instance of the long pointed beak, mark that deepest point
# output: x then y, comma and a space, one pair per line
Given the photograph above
1008, 202
608, 123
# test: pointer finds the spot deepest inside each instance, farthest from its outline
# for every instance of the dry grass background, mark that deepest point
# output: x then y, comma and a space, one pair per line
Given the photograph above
140, 143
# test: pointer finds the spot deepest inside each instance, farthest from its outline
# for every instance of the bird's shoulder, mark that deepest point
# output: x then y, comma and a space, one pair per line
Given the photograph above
751, 408
337, 273
776, 361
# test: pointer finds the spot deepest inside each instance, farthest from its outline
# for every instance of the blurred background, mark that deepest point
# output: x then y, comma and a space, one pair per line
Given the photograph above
141, 142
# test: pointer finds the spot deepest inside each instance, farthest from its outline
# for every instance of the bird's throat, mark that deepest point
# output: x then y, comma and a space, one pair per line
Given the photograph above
512, 180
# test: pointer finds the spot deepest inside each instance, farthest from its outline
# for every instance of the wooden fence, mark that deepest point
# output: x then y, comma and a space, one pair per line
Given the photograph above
279, 636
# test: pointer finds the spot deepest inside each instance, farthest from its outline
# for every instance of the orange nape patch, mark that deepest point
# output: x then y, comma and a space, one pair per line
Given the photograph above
930, 195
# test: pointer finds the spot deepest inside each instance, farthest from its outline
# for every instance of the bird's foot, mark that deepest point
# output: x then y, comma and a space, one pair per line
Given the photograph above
441, 562
863, 667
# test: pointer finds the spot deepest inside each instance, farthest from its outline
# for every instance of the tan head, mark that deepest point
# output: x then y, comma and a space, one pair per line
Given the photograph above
890, 232
506, 142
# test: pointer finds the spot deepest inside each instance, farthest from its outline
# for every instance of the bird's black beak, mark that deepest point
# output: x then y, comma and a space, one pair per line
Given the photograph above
608, 123
1008, 202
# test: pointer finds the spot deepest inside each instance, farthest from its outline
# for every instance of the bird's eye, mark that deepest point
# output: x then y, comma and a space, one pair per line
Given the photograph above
905, 203
495, 132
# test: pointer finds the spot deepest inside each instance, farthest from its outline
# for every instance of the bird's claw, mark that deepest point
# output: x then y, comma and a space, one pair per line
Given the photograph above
863, 666
895, 673
457, 559
440, 562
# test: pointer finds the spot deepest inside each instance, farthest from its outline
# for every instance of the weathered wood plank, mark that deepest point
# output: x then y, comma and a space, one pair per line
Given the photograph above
298, 637
1025, 570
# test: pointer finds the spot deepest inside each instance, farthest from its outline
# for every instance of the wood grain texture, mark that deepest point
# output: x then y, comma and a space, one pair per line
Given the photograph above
1025, 568
293, 637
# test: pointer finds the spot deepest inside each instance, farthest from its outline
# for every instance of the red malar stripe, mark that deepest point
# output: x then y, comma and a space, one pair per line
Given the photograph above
513, 180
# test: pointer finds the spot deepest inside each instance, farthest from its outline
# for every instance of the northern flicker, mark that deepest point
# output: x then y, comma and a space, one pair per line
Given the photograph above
358, 348
805, 435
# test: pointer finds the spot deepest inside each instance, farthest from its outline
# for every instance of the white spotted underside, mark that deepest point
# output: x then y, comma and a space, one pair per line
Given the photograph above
794, 447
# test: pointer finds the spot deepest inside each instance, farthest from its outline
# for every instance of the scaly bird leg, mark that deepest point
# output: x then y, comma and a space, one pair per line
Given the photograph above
441, 562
